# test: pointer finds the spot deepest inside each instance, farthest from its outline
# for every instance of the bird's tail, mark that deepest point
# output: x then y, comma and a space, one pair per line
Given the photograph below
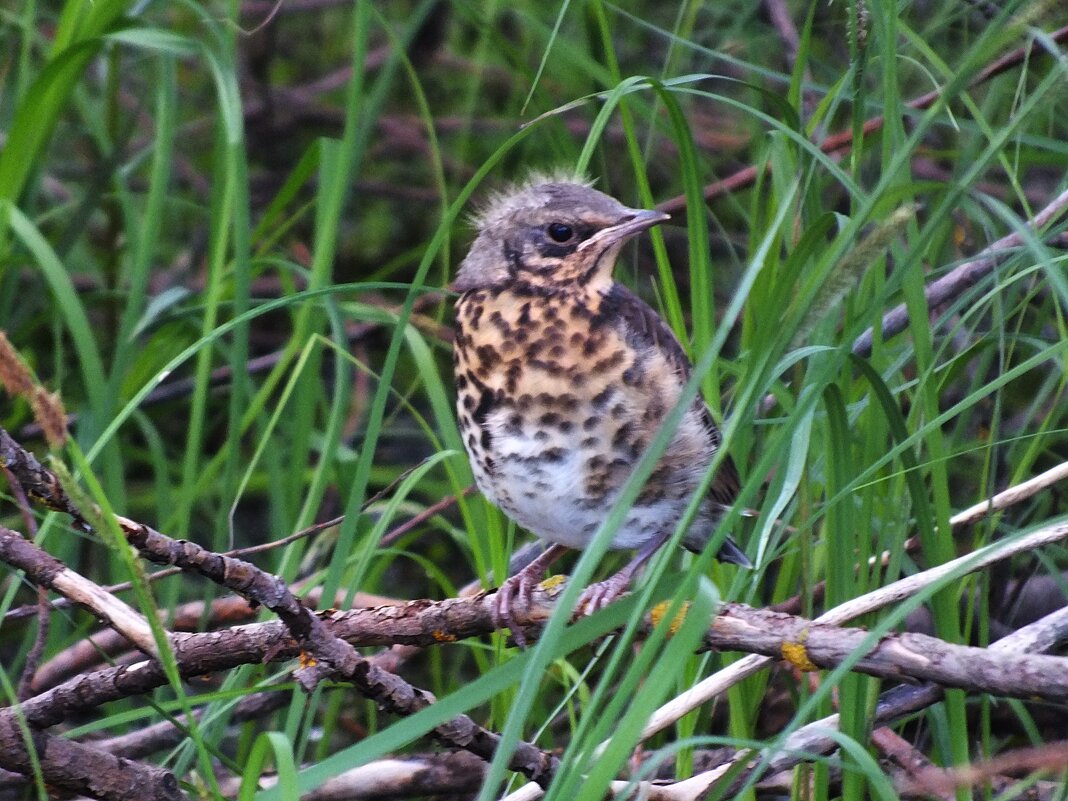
730, 552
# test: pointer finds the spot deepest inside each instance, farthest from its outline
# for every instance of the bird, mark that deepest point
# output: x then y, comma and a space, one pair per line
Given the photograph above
563, 376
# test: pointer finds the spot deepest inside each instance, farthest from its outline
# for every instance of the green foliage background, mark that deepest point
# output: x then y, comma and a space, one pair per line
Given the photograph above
187, 188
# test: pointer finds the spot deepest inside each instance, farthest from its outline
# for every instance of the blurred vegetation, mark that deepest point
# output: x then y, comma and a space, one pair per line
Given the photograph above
224, 236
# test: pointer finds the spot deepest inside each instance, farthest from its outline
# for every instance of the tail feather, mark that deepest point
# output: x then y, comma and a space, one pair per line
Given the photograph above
730, 552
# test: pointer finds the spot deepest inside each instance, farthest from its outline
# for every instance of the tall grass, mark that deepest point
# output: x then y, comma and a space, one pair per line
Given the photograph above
180, 197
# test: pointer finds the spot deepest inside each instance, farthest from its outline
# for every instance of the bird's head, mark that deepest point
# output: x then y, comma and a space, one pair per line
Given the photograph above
550, 230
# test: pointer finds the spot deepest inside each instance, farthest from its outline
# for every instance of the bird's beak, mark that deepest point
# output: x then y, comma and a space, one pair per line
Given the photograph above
633, 222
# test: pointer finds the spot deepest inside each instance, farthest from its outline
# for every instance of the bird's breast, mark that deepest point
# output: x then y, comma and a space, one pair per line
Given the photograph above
557, 406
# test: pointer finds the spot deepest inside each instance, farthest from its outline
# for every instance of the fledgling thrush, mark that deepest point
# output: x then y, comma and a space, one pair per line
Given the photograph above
563, 377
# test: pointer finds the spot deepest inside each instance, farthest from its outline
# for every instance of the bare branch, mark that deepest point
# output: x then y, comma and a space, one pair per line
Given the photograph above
719, 682
813, 738
961, 278
424, 622
1050, 757
910, 657
835, 143
81, 769
1008, 497
1002, 500
454, 774
327, 655
45, 570
894, 704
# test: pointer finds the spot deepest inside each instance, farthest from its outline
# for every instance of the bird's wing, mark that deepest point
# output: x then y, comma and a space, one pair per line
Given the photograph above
647, 328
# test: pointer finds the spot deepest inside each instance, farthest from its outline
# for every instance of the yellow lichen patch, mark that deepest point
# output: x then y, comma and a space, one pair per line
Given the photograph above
442, 636
797, 655
657, 614
552, 582
307, 660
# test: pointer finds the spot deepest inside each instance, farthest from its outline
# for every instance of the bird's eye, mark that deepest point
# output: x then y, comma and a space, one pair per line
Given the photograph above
559, 232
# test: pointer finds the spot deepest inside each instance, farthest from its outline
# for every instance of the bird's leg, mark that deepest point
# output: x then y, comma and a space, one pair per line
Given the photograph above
598, 596
521, 587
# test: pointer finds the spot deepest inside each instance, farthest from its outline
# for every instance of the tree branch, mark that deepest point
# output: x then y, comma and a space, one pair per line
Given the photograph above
962, 277
329, 655
746, 177
81, 769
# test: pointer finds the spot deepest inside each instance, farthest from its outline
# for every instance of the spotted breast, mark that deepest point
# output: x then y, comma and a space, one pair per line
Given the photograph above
560, 392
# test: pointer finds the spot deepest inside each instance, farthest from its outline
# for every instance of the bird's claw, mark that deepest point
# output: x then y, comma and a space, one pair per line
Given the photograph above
518, 588
598, 596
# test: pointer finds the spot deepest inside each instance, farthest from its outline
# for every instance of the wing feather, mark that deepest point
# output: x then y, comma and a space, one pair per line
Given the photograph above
645, 328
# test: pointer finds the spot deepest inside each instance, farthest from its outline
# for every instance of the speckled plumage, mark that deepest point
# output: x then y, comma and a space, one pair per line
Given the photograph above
563, 375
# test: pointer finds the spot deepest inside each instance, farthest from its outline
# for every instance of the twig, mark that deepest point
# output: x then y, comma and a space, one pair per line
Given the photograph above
1010, 496
907, 656
82, 769
719, 682
961, 278
142, 742
315, 528
421, 622
424, 622
454, 775
832, 144
901, 753
38, 483
736, 627
787, 30
813, 738
33, 657
1049, 757
258, 7
45, 570
180, 387
784, 25
1002, 500
327, 655
107, 644
1037, 637
434, 509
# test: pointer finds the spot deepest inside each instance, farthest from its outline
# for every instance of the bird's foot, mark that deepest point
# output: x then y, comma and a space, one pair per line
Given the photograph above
517, 589
598, 596
520, 587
